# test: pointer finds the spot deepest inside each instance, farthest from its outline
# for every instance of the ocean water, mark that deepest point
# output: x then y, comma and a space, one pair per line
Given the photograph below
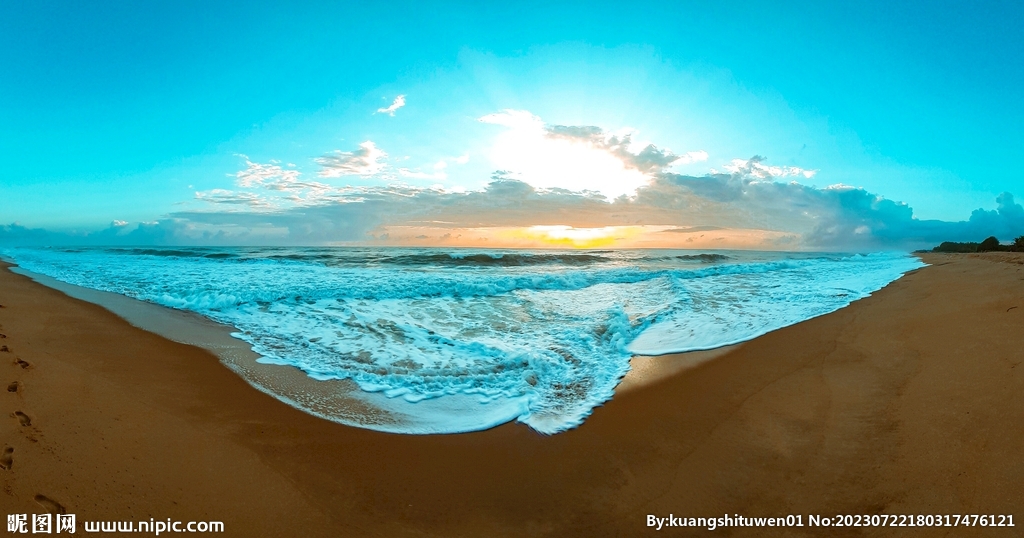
459, 340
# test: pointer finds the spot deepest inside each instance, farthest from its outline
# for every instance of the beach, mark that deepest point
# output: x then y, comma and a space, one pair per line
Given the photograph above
907, 402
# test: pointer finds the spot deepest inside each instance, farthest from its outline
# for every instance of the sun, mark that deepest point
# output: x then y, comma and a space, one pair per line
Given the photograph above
570, 237
544, 162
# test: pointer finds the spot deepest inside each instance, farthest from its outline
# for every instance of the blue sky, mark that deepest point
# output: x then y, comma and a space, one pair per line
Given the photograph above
157, 114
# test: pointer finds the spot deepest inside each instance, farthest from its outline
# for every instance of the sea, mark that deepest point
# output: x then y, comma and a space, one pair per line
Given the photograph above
456, 340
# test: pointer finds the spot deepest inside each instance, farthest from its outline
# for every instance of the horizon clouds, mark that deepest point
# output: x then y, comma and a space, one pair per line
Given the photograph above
578, 176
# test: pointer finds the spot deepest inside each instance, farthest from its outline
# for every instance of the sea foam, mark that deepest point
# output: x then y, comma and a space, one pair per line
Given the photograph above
451, 341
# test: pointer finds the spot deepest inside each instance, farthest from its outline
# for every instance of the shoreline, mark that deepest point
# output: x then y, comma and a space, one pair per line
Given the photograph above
331, 400
328, 399
864, 410
342, 400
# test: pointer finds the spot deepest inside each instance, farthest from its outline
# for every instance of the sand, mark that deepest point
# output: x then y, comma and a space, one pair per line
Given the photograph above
908, 402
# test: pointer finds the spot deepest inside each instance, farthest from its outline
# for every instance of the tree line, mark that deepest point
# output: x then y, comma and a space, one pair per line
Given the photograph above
988, 245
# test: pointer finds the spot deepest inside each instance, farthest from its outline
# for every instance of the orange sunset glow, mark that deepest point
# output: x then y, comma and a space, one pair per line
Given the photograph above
569, 237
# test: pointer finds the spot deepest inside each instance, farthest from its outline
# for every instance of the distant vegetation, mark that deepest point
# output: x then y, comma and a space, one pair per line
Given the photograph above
988, 245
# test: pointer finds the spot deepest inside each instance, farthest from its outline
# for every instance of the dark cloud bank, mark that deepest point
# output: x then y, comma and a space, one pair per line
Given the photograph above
833, 218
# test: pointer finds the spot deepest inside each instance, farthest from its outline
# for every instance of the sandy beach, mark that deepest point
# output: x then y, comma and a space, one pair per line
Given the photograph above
908, 402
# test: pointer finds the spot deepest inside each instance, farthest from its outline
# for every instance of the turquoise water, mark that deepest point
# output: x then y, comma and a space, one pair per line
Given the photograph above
460, 340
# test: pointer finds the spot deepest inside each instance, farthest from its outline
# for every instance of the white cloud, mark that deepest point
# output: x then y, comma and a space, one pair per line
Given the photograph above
258, 174
848, 219
439, 173
644, 157
118, 223
229, 197
398, 103
280, 187
368, 160
692, 157
755, 167
416, 174
560, 177
822, 218
577, 157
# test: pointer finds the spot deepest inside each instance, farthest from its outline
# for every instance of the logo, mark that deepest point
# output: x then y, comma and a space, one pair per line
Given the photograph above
41, 523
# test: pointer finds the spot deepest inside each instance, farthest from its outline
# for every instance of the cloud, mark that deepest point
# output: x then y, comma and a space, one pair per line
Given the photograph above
229, 197
791, 215
832, 218
438, 174
416, 174
168, 231
755, 167
257, 174
559, 177
272, 176
398, 103
1006, 221
368, 160
693, 157
693, 229
266, 186
648, 159
577, 157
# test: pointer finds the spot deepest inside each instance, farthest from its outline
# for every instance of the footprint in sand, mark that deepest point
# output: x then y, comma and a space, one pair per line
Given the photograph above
5, 349
7, 458
2, 335
22, 363
50, 505
22, 418
15, 386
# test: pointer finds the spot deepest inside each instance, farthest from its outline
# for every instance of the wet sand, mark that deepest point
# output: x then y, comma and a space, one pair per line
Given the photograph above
907, 402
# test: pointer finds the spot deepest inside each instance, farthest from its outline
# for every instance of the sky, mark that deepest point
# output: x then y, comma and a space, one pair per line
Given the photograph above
793, 126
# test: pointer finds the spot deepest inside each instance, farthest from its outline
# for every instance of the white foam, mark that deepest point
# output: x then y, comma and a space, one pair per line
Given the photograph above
733, 308
451, 347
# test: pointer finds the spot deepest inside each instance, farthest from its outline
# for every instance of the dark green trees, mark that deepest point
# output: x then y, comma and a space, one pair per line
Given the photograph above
989, 244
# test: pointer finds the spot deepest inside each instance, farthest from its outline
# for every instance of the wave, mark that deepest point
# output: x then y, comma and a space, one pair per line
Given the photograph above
454, 259
707, 258
544, 336
197, 252
175, 285
299, 284
343, 257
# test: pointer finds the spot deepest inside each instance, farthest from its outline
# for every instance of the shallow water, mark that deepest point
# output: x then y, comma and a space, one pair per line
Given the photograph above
460, 340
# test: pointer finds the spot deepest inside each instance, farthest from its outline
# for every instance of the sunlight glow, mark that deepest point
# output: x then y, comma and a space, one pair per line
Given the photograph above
567, 236
528, 154
570, 237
